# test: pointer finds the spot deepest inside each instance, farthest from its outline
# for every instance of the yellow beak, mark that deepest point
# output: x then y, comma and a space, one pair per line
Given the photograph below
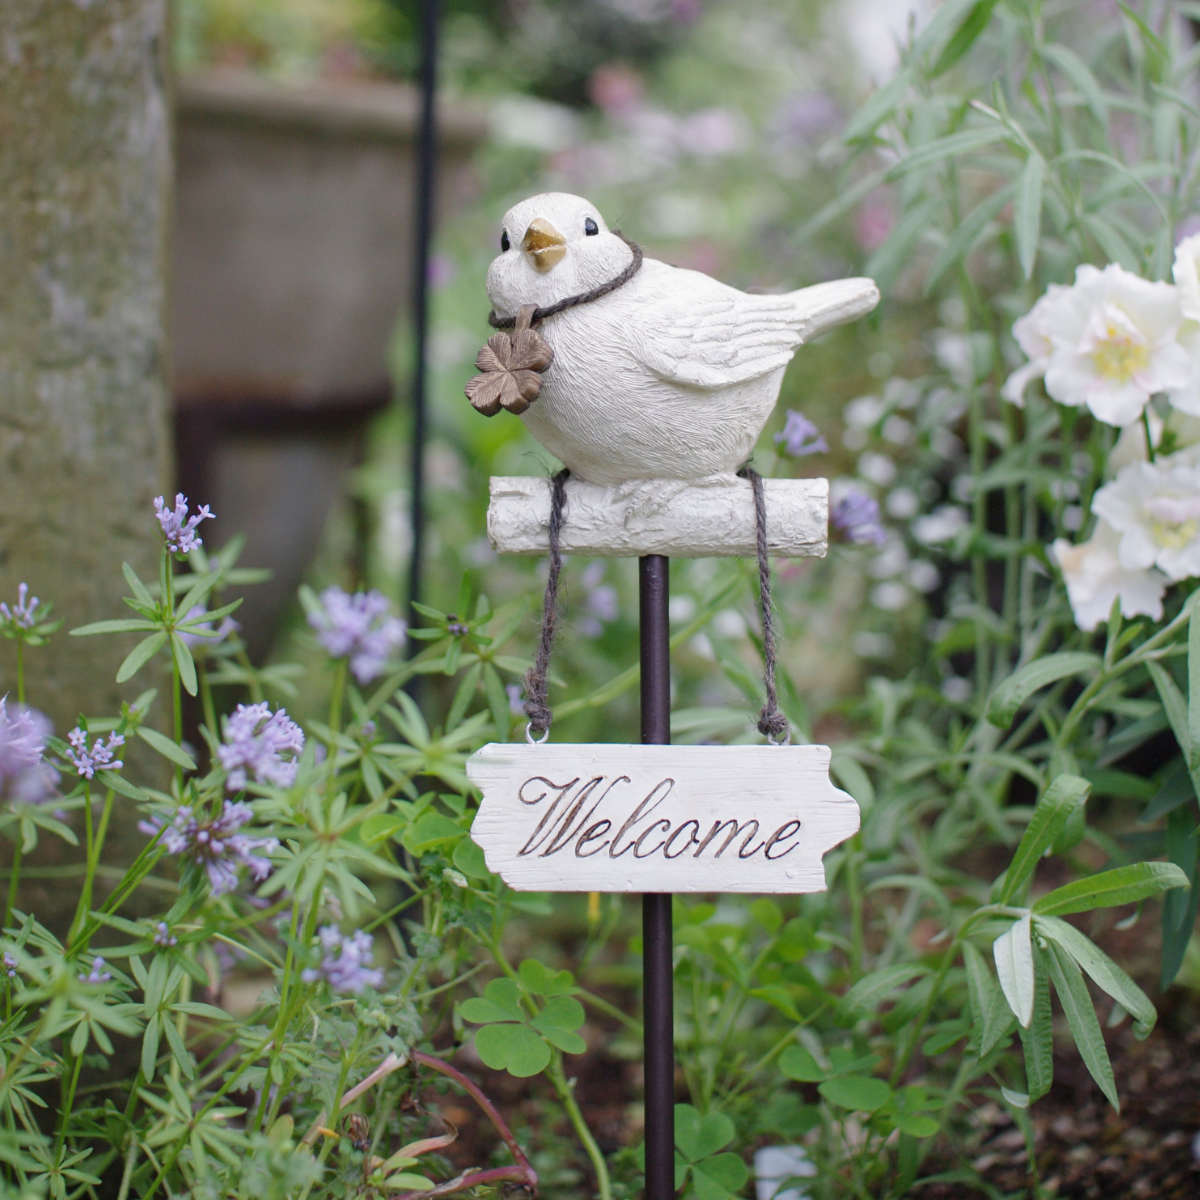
544, 244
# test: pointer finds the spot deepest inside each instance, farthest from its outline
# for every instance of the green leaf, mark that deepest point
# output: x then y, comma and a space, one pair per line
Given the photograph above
1008, 697
166, 747
1121, 885
1193, 703
1038, 1043
877, 987
960, 243
141, 593
1027, 212
698, 1136
1065, 795
121, 625
1013, 954
860, 1093
428, 830
561, 1012
1081, 1018
719, 1177
542, 980
512, 1048
140, 655
1105, 973
798, 1063
1076, 70
989, 1010
878, 108
505, 999
964, 37
953, 145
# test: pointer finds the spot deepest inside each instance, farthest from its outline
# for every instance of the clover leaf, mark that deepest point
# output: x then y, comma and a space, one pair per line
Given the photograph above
518, 1033
713, 1174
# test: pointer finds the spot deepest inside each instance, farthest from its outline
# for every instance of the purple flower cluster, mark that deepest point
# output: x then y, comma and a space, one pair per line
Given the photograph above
799, 436
359, 627
88, 761
25, 776
97, 974
262, 744
216, 845
856, 517
23, 614
345, 961
163, 935
178, 528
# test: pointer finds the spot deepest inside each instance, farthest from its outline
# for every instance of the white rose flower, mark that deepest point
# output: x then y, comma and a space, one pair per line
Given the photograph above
1155, 508
1114, 344
1186, 273
1095, 577
1032, 332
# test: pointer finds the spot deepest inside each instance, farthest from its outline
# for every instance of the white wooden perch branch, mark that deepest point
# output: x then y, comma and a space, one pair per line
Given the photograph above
667, 517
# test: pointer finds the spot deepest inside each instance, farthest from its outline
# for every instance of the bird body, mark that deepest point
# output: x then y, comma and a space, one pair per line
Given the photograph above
672, 375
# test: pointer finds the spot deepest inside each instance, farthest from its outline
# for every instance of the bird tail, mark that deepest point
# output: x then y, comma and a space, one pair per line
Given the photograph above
825, 305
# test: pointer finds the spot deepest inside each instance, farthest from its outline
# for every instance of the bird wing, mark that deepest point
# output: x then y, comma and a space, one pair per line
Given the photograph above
703, 334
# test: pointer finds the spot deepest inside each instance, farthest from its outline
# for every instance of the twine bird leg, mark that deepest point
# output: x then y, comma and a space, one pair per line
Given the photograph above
537, 709
772, 724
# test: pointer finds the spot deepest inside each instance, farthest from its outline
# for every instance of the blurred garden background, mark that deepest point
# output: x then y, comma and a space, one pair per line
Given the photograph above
1000, 647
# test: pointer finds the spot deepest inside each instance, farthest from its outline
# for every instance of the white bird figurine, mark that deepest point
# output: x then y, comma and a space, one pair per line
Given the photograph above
651, 371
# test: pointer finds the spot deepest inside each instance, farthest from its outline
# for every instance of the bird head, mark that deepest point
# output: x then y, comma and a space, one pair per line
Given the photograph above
552, 246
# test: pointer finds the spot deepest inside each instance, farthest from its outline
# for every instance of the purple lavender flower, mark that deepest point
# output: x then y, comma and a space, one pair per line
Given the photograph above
359, 627
602, 602
800, 436
25, 776
23, 614
178, 528
216, 845
345, 962
516, 698
88, 761
163, 935
856, 517
97, 974
9, 965
260, 742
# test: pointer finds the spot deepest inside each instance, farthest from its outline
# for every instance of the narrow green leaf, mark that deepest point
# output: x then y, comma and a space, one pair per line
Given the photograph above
1065, 796
137, 658
1121, 885
953, 145
185, 664
1081, 1019
964, 37
990, 1013
1076, 70
966, 235
1027, 212
121, 625
150, 1047
166, 747
1032, 677
1013, 954
878, 108
1193, 699
141, 593
1103, 971
796, 1062
1038, 1043
877, 987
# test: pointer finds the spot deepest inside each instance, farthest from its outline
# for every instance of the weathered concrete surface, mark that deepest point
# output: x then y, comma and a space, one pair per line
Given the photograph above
84, 180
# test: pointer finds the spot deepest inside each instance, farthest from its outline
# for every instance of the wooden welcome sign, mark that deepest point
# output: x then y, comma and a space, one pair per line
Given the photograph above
636, 818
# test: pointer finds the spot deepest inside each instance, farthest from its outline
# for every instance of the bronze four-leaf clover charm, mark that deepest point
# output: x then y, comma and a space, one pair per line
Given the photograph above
511, 364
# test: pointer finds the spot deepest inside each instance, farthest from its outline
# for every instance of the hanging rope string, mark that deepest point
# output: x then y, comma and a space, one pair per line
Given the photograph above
537, 709
540, 314
772, 723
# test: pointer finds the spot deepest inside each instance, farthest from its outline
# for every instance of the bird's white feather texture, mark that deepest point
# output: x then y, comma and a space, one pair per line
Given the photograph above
671, 376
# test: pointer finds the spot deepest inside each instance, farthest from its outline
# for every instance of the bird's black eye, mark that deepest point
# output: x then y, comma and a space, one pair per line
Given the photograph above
590, 227
505, 244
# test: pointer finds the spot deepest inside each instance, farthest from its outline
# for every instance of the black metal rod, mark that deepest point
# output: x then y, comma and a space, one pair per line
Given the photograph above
423, 235
657, 938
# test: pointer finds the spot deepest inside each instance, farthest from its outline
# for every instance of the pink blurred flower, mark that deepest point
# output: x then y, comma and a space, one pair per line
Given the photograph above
874, 220
616, 88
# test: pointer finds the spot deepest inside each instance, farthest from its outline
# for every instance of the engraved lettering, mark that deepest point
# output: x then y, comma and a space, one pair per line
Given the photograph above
590, 834
738, 827
638, 813
787, 830
570, 826
546, 823
693, 835
637, 846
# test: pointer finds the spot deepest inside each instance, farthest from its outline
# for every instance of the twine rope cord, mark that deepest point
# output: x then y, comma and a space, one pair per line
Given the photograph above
537, 709
772, 724
604, 289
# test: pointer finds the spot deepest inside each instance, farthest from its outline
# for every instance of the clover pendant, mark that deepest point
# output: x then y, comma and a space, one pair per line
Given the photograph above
511, 366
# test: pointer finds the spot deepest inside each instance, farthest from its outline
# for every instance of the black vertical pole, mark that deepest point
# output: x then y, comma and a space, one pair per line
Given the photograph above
658, 1006
423, 234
